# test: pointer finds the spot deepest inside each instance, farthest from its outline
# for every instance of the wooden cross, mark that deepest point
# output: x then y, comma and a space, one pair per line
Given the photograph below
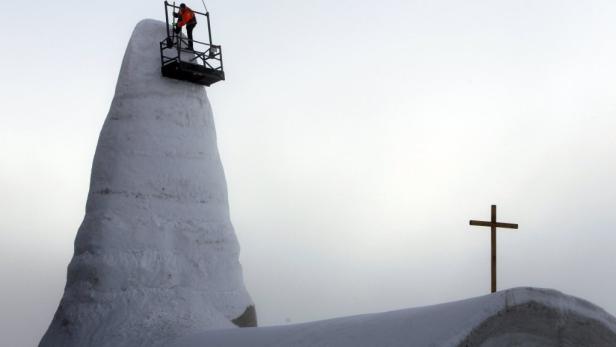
493, 224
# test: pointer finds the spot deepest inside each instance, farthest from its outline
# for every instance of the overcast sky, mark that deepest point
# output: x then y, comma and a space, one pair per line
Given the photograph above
358, 139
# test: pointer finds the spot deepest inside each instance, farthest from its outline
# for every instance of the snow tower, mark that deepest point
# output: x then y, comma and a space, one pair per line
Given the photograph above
156, 256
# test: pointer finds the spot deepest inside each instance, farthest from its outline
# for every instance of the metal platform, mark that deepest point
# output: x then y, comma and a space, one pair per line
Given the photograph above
201, 65
191, 66
192, 73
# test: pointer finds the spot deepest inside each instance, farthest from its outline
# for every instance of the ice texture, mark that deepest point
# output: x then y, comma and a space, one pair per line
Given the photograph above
156, 256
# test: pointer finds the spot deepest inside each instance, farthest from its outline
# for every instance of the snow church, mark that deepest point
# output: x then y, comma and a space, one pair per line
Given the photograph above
156, 259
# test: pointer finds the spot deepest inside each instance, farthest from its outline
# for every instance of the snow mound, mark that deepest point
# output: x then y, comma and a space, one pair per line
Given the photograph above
515, 317
156, 256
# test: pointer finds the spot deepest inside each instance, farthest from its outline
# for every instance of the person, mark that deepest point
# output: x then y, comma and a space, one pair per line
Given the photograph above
186, 17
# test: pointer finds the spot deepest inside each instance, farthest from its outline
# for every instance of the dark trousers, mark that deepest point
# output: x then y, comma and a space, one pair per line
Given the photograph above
189, 30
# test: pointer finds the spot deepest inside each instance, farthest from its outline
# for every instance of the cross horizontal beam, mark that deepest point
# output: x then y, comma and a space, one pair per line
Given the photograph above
494, 224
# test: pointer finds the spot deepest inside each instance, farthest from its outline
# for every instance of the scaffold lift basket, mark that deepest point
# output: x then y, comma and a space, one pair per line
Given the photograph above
202, 64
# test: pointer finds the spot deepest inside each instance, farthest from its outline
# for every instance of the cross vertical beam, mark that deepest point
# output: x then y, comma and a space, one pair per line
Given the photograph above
493, 224
493, 243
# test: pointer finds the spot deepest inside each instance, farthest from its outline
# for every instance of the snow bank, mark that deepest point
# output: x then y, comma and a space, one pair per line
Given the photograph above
156, 256
516, 317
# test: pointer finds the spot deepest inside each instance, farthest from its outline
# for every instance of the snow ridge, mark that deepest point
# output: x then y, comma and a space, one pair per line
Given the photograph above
514, 317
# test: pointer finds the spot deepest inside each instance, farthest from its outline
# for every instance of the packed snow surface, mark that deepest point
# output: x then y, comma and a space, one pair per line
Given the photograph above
516, 317
156, 256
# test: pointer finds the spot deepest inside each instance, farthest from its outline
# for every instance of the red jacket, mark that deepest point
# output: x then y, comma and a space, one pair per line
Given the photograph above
187, 16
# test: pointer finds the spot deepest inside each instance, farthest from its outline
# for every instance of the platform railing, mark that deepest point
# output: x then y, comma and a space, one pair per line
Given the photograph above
175, 49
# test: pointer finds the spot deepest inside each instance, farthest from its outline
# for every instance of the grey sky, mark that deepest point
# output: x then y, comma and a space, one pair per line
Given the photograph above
358, 139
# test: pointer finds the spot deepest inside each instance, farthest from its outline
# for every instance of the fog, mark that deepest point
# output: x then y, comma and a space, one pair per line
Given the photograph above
357, 138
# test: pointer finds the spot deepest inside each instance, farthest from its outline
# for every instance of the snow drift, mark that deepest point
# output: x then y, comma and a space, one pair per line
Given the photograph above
516, 317
156, 256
